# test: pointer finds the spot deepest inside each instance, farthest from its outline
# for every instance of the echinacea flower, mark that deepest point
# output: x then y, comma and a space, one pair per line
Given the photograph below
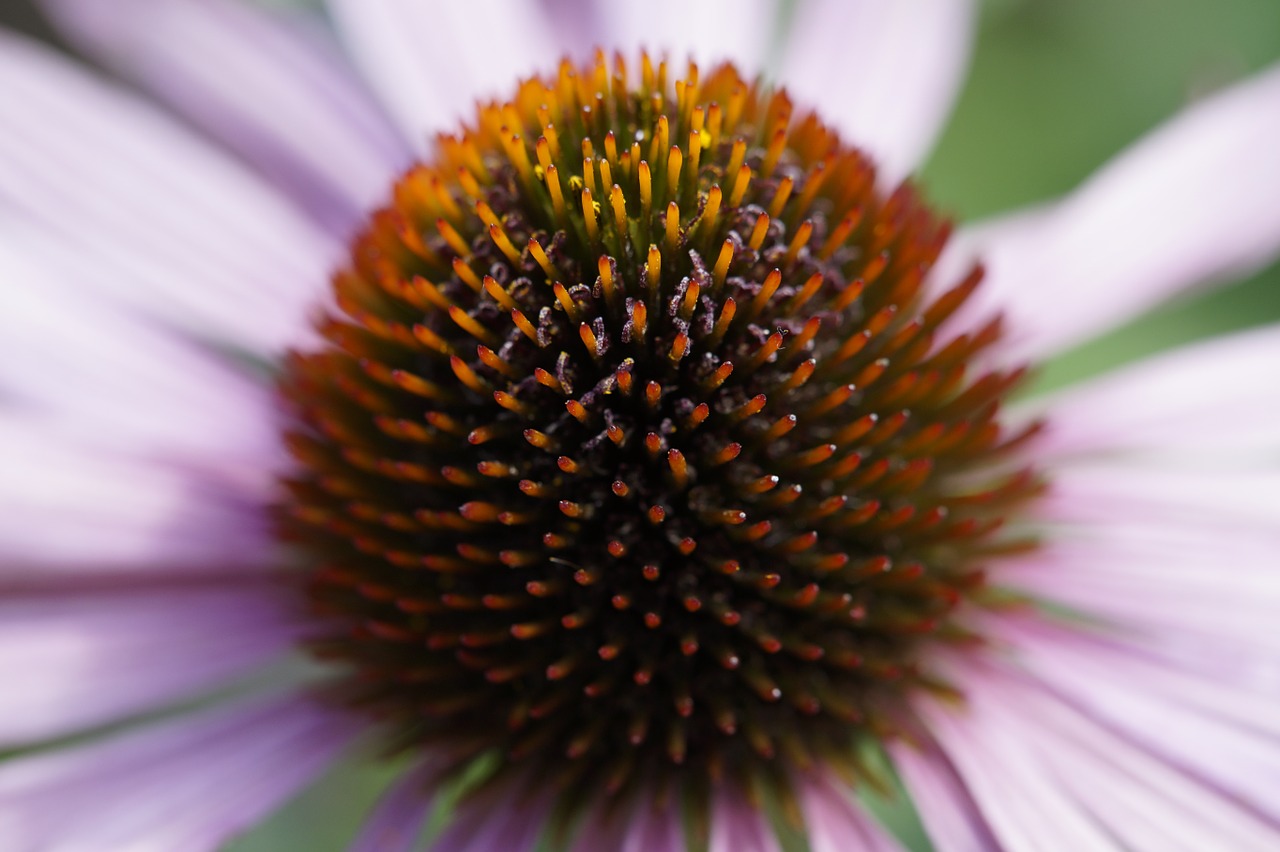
635, 462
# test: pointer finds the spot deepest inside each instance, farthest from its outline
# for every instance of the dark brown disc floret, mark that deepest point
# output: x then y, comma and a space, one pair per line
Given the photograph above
637, 456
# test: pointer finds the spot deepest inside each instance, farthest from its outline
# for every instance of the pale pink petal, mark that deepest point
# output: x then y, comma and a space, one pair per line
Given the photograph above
482, 826
885, 74
654, 831
708, 31
398, 820
1214, 586
648, 828
1216, 398
84, 369
176, 230
77, 657
951, 817
1190, 204
834, 822
269, 85
576, 23
188, 783
1180, 552
1215, 724
1025, 807
1118, 492
1177, 547
67, 510
737, 826
431, 62
1066, 769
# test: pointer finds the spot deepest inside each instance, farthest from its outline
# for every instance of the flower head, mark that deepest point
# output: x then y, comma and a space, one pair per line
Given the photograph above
637, 475
647, 474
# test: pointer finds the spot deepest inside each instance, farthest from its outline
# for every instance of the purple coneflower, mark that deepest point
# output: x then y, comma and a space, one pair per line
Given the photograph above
634, 460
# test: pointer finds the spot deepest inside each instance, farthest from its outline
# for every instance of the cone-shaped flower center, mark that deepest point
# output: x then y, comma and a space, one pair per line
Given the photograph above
637, 457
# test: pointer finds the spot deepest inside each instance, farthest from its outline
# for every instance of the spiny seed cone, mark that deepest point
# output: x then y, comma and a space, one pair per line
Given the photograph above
636, 456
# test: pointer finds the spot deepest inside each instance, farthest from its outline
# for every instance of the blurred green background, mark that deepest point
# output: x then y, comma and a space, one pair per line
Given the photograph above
1056, 88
